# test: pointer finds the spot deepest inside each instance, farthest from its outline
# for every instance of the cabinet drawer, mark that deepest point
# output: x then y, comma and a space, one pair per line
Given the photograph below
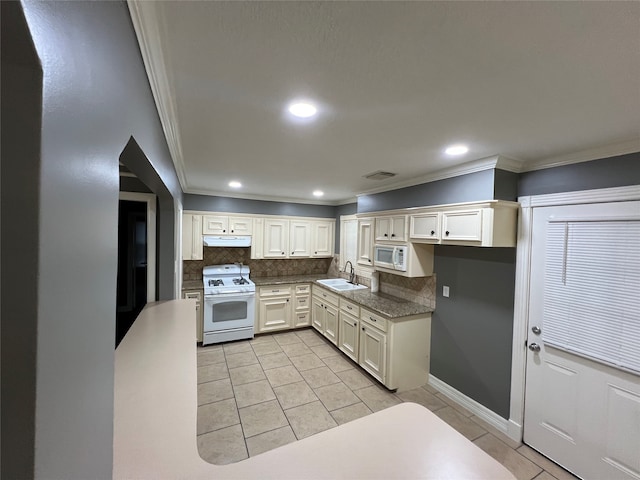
350, 307
303, 302
304, 289
275, 290
373, 319
303, 319
326, 296
195, 295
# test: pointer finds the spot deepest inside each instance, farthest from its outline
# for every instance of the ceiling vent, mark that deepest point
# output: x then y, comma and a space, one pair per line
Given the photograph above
379, 175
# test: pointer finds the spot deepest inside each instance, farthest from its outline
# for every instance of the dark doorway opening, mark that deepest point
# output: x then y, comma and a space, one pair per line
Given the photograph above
132, 264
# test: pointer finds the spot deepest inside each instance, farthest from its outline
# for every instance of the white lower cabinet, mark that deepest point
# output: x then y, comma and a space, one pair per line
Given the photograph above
197, 296
373, 351
325, 313
349, 335
274, 308
302, 305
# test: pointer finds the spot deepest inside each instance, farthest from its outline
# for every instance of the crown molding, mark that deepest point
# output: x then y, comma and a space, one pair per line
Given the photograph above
606, 151
146, 24
488, 163
269, 198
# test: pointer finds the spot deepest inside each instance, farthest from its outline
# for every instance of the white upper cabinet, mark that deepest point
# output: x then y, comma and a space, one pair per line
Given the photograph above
322, 238
225, 225
482, 224
299, 239
365, 241
425, 227
192, 247
391, 228
276, 238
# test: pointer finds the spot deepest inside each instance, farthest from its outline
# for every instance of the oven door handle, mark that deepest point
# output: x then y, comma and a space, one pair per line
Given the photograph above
236, 294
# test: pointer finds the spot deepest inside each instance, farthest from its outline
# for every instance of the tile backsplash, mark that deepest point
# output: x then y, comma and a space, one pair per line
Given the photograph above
421, 290
192, 269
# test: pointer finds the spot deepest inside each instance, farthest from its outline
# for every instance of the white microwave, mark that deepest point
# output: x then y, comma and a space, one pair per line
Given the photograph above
391, 257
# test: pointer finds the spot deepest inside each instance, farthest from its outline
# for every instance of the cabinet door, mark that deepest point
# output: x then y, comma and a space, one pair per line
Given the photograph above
317, 314
348, 335
365, 242
274, 314
383, 229
331, 323
425, 226
215, 225
241, 225
257, 244
299, 239
276, 238
192, 247
398, 225
463, 226
322, 239
373, 351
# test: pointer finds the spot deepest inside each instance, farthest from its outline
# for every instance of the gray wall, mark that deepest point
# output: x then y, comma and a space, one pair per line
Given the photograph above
96, 97
465, 188
505, 185
21, 105
131, 184
472, 329
260, 207
617, 171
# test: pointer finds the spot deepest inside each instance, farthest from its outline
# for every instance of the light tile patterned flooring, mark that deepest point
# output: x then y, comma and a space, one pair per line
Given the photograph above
257, 395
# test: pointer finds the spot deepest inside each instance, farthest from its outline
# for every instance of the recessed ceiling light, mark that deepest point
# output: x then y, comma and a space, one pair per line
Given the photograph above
456, 150
302, 109
234, 184
318, 193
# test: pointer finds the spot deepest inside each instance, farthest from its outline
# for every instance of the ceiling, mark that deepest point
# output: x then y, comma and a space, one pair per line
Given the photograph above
395, 83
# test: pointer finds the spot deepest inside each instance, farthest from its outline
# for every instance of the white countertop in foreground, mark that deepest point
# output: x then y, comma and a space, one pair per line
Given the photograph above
156, 412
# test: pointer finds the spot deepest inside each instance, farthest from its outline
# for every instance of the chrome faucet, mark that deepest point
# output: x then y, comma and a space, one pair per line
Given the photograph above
352, 274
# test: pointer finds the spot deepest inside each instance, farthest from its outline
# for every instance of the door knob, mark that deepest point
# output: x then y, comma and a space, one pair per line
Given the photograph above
534, 347
536, 330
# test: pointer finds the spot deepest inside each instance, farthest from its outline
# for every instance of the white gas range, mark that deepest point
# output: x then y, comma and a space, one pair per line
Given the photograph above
229, 303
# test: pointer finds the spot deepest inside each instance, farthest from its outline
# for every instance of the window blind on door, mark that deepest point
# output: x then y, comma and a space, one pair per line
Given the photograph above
592, 290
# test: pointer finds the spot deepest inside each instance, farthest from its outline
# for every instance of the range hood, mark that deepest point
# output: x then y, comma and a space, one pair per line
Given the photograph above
227, 241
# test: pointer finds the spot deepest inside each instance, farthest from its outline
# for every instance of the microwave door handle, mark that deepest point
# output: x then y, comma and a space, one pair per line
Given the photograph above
396, 257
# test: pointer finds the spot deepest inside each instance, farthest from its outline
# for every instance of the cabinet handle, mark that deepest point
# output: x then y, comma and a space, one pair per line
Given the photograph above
363, 329
386, 235
291, 253
283, 253
372, 319
349, 308
315, 253
433, 232
325, 307
224, 231
275, 291
447, 233
393, 234
369, 260
232, 231
287, 299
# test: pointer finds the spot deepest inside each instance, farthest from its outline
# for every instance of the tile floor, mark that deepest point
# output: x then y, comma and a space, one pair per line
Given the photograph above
257, 395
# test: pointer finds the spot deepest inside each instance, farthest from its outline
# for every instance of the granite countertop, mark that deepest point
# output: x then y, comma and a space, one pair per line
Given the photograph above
259, 281
385, 304
192, 285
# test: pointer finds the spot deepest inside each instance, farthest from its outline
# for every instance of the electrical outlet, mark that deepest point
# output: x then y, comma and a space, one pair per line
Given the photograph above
445, 291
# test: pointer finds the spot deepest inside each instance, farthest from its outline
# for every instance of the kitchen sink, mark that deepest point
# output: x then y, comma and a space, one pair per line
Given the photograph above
340, 285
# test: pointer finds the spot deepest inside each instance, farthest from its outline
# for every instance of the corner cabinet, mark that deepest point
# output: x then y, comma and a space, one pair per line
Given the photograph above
192, 247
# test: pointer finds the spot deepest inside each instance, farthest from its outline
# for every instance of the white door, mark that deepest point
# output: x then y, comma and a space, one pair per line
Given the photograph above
582, 399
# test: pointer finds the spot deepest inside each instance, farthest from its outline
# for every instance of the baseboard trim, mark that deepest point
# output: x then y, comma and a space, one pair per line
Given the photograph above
509, 428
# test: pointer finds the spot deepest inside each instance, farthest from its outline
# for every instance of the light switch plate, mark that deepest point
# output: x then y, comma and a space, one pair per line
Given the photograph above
445, 291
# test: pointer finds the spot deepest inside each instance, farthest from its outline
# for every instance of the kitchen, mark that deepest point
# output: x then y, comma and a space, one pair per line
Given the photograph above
85, 217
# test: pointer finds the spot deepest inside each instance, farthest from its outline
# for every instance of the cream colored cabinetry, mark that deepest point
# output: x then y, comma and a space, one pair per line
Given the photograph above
396, 352
325, 313
226, 225
391, 228
299, 239
365, 241
488, 224
276, 238
197, 296
302, 305
425, 227
192, 247
322, 238
275, 310
348, 329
